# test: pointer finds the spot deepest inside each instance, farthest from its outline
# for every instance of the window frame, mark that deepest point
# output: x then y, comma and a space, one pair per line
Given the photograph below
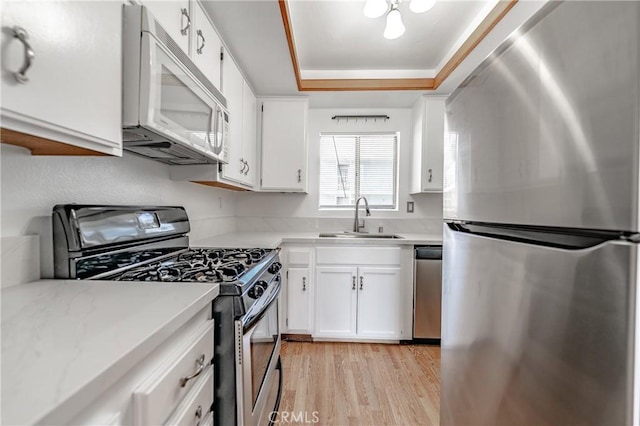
396, 170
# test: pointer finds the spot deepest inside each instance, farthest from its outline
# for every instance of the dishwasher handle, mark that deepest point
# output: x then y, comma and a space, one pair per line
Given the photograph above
428, 253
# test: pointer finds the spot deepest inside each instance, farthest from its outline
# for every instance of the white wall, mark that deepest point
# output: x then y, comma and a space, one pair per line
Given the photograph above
32, 185
427, 206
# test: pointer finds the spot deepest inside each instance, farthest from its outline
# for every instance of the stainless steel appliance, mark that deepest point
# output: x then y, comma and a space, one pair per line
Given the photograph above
137, 243
541, 208
427, 293
171, 112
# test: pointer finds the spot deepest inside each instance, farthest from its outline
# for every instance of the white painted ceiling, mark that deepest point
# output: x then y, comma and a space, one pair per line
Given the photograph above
335, 35
254, 33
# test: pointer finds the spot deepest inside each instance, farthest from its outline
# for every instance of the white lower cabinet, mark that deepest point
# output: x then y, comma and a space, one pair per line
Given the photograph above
358, 302
358, 293
336, 301
298, 300
173, 385
379, 294
299, 289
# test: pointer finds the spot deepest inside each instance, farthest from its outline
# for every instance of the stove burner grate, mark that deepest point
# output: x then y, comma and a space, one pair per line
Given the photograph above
199, 265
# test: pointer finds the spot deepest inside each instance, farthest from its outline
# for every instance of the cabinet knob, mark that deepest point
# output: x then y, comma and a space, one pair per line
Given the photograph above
185, 27
199, 49
304, 283
29, 55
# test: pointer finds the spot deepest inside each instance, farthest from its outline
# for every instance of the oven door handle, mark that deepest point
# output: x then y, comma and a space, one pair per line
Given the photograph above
272, 299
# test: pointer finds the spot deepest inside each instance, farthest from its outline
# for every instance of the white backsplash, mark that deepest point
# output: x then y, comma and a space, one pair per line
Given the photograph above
326, 224
19, 260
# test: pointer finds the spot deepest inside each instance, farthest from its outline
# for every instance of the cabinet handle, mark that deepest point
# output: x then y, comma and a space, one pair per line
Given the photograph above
29, 55
430, 175
185, 28
199, 49
199, 368
248, 168
304, 283
198, 415
361, 282
243, 165
299, 175
353, 287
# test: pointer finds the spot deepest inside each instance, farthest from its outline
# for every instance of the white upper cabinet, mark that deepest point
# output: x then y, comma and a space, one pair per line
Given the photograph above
232, 87
239, 172
428, 144
70, 88
242, 126
189, 26
284, 145
206, 46
175, 18
249, 136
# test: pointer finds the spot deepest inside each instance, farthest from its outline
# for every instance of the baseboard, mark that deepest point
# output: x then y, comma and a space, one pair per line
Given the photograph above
297, 337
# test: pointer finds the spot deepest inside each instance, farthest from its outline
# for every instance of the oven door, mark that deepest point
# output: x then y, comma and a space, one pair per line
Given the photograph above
258, 378
173, 103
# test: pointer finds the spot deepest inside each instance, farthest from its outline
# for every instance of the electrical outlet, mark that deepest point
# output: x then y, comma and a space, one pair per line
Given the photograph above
409, 206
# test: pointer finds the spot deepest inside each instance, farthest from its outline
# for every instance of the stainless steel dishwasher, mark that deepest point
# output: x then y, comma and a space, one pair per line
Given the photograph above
427, 305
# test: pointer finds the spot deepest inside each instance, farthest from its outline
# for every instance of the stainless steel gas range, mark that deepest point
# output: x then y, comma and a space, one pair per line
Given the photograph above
137, 243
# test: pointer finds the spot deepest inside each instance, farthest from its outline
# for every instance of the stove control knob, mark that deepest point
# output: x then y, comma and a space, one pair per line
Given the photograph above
258, 289
275, 267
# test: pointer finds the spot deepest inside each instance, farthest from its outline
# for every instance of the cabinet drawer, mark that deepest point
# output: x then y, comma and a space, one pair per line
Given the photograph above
358, 255
196, 405
299, 257
161, 392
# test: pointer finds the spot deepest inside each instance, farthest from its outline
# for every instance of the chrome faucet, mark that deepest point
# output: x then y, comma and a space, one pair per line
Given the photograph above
356, 222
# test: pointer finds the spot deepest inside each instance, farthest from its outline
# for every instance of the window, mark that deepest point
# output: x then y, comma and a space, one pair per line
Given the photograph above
358, 165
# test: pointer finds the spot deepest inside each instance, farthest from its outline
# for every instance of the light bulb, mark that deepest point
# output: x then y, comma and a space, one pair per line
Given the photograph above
421, 6
395, 27
375, 8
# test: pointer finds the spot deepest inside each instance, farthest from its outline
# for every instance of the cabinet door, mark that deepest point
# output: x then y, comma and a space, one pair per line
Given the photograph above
249, 116
175, 18
433, 145
206, 46
379, 295
232, 88
298, 307
74, 88
336, 299
284, 145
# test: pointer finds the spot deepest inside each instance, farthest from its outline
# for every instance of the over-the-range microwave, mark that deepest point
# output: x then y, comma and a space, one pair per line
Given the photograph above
171, 112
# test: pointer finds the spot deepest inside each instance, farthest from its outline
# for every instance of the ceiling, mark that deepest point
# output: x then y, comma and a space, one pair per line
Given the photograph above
289, 47
335, 35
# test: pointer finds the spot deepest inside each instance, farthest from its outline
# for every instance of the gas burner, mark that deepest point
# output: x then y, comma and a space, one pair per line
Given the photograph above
197, 265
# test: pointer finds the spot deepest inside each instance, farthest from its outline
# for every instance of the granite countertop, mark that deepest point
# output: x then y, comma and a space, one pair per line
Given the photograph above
275, 239
65, 342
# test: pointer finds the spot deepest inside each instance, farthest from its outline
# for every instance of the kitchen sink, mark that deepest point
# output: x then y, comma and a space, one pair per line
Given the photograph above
358, 235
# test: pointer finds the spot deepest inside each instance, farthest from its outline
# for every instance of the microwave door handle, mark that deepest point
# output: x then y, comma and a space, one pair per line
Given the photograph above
211, 130
219, 136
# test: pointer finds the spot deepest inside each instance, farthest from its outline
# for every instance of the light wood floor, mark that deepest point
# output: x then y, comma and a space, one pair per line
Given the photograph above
360, 384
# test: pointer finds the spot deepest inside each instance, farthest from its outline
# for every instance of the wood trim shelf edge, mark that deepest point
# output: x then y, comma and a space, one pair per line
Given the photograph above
222, 185
336, 85
43, 146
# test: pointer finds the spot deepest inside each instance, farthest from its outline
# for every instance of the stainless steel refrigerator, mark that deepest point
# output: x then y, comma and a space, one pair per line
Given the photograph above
542, 221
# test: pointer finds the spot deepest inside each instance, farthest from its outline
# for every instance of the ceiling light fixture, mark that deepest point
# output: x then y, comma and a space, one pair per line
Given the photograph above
395, 27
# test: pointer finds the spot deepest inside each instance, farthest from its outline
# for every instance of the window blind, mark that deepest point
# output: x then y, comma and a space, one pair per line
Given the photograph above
358, 165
